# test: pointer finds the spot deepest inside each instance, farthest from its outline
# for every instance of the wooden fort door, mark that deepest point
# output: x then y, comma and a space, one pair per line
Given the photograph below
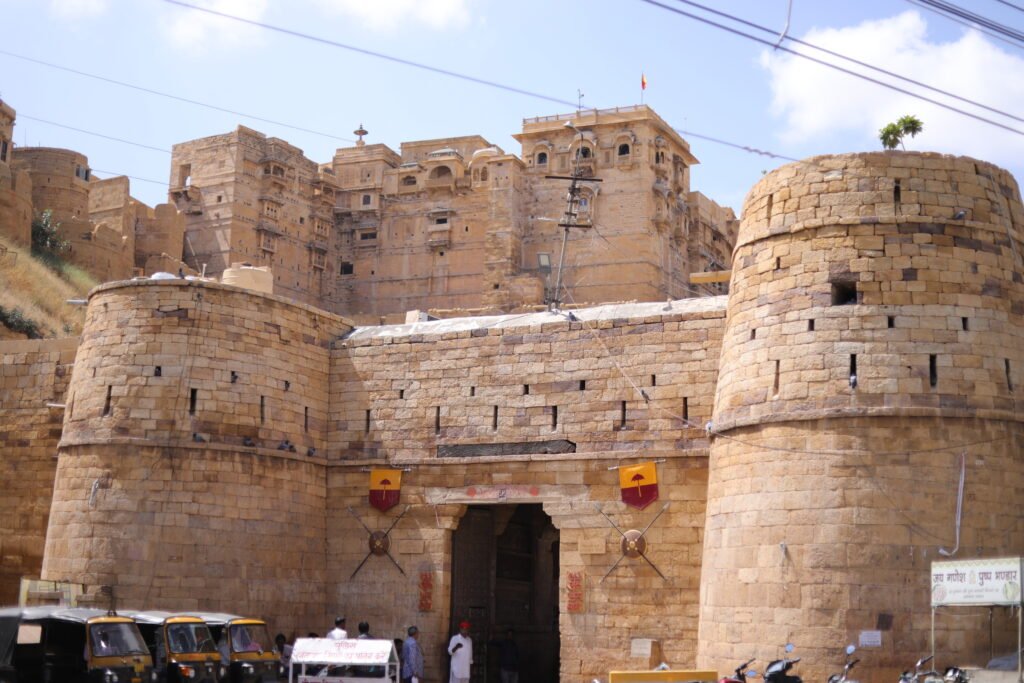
505, 575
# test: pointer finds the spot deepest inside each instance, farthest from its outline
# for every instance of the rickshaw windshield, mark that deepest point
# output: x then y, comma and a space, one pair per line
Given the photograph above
189, 638
116, 639
250, 638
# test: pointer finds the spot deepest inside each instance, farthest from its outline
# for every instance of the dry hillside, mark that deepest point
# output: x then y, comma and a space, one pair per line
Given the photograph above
33, 296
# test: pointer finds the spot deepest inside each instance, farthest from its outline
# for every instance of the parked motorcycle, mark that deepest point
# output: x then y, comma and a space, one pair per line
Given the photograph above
907, 677
778, 670
955, 674
842, 677
741, 674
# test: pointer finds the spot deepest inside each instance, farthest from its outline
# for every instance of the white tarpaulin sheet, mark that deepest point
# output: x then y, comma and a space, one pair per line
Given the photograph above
993, 581
340, 652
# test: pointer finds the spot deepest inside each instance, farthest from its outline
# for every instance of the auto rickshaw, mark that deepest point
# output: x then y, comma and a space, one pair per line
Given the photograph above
183, 649
75, 645
245, 648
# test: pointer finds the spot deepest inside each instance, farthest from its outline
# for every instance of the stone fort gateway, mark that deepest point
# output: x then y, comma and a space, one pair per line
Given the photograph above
207, 447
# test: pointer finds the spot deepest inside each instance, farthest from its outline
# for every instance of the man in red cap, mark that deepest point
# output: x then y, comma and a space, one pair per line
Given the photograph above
460, 647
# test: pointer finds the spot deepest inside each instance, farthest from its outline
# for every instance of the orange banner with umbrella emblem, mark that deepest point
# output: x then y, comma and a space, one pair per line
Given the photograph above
639, 484
385, 488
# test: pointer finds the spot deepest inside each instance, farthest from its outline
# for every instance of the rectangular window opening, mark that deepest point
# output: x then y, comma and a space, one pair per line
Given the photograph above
305, 419
853, 370
775, 388
158, 371
654, 380
964, 324
583, 385
622, 415
472, 391
494, 418
768, 214
1009, 378
106, 404
686, 409
844, 293
933, 370
753, 333
554, 417
193, 395
810, 325
778, 263
896, 191
401, 393
891, 321
526, 390
263, 409
437, 419
366, 424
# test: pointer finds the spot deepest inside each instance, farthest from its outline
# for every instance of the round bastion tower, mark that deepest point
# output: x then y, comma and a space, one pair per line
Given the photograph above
872, 353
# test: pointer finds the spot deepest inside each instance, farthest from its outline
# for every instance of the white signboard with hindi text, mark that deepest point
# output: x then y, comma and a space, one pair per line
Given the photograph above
993, 581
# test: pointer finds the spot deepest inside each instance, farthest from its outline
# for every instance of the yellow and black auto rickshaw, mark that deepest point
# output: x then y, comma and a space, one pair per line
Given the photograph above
75, 645
245, 648
183, 649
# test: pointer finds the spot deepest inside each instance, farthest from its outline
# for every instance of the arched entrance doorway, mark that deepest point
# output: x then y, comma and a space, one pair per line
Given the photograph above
505, 575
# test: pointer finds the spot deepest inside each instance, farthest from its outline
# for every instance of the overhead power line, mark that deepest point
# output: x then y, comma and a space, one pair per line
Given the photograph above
162, 183
89, 132
950, 9
851, 60
990, 34
371, 53
171, 96
1010, 4
836, 67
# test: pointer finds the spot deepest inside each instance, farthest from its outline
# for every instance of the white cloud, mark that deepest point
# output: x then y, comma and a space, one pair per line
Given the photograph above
199, 31
70, 10
817, 103
383, 15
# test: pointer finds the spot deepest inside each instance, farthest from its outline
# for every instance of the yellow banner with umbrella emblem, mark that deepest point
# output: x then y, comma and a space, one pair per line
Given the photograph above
639, 484
385, 488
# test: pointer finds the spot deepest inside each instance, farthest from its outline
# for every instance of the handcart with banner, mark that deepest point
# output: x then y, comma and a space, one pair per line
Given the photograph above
358, 660
991, 582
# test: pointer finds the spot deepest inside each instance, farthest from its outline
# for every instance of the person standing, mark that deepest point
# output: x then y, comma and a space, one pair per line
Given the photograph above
412, 657
338, 632
460, 647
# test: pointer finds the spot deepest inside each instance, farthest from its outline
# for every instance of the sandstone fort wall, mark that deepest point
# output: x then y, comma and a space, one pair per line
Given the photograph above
32, 375
873, 339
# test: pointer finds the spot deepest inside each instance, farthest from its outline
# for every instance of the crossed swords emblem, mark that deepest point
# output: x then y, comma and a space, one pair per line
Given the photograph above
380, 542
633, 543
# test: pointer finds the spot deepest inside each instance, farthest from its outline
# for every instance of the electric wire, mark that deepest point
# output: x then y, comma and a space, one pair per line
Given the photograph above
133, 177
93, 133
835, 67
976, 19
171, 96
969, 25
372, 53
852, 60
1010, 4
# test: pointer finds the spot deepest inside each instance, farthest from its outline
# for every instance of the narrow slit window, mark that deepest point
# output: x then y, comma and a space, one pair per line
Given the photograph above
768, 213
810, 324
1009, 377
964, 324
554, 417
775, 388
437, 419
933, 370
366, 424
891, 320
622, 415
401, 393
263, 409
106, 404
654, 380
192, 397
472, 391
494, 418
526, 390
583, 385
686, 409
778, 263
158, 371
896, 192
853, 370
753, 333
305, 419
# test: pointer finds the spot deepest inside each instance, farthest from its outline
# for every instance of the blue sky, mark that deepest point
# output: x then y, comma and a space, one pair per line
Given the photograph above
700, 78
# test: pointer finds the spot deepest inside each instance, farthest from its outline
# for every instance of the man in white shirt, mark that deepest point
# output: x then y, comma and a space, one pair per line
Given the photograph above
338, 632
460, 647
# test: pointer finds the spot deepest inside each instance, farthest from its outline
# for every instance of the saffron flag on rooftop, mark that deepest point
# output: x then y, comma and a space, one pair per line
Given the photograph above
385, 488
639, 484
643, 81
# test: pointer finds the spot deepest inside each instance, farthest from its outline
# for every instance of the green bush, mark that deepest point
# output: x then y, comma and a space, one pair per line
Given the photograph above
16, 321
